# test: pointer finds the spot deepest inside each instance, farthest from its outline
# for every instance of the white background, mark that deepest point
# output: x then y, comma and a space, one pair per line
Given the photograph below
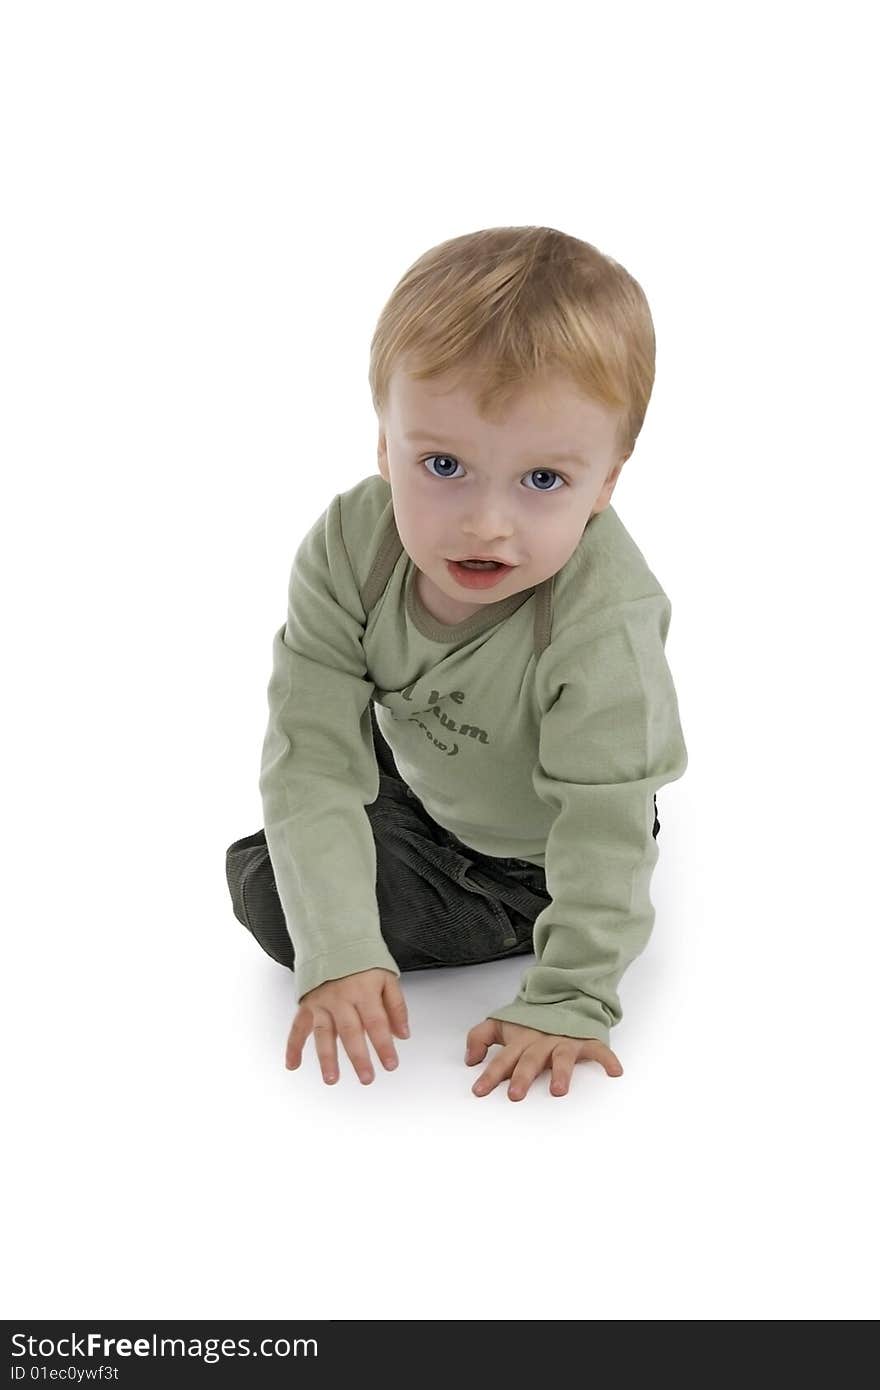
205, 208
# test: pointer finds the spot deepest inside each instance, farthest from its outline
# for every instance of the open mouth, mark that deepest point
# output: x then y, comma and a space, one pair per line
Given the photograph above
477, 574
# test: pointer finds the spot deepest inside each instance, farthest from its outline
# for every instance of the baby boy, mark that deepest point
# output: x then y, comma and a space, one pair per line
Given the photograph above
511, 649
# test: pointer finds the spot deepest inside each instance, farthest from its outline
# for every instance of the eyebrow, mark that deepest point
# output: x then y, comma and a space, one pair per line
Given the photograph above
415, 435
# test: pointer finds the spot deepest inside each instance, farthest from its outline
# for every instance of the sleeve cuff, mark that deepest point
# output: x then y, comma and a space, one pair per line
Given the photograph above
370, 953
564, 1019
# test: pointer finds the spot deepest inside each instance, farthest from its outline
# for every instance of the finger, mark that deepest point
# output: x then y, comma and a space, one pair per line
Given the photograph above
500, 1067
296, 1040
598, 1052
325, 1045
351, 1035
395, 1005
561, 1070
375, 1021
480, 1038
531, 1063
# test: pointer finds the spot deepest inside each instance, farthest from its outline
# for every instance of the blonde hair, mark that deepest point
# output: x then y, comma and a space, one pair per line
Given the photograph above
511, 305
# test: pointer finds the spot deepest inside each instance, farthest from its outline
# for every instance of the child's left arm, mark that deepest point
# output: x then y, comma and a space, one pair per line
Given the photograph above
610, 736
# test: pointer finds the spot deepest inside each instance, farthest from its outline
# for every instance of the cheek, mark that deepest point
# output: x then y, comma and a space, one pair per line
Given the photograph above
558, 542
419, 522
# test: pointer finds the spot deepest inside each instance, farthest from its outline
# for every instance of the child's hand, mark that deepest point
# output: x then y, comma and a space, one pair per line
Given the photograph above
368, 999
526, 1053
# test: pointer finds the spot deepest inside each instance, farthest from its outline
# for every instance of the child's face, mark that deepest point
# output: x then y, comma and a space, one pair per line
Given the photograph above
465, 487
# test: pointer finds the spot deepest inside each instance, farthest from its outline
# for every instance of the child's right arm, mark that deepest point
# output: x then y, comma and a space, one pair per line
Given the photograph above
370, 1001
318, 771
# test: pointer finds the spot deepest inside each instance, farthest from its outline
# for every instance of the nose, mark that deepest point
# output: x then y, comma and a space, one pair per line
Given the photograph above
488, 523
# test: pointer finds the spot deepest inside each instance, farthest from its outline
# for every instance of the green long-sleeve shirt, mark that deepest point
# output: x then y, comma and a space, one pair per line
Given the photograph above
549, 752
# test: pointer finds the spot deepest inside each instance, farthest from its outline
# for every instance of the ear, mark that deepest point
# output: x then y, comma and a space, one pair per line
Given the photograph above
608, 486
382, 455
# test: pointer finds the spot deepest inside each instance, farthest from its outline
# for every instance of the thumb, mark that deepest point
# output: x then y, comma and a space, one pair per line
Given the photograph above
601, 1053
480, 1039
395, 1007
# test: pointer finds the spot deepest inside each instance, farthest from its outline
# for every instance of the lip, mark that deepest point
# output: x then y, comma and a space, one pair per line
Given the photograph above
477, 579
481, 557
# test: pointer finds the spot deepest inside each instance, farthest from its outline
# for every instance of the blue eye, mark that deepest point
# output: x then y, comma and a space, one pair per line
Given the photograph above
441, 456
542, 472
546, 473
